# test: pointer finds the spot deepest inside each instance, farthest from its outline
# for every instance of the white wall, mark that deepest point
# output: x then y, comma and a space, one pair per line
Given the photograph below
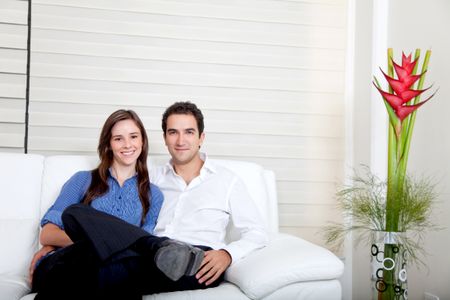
411, 25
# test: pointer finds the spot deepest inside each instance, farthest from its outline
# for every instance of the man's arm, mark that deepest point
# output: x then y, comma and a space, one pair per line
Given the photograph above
247, 220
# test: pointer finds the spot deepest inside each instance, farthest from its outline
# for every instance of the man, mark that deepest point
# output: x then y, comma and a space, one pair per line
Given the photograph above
201, 198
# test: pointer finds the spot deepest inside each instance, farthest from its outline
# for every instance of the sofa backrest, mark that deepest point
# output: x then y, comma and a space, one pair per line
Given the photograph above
261, 186
20, 186
260, 183
58, 169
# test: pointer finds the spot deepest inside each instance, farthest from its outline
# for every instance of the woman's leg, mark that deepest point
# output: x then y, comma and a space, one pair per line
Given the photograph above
69, 273
75, 270
108, 235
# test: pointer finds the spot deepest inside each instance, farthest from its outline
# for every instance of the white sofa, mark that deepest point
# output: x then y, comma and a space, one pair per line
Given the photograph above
288, 268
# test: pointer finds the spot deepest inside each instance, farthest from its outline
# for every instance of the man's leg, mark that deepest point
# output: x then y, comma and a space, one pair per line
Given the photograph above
115, 240
152, 280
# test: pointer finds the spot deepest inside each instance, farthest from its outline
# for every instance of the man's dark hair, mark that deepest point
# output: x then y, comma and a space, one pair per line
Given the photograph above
183, 108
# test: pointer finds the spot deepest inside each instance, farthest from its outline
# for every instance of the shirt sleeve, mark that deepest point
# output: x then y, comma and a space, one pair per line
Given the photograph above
72, 192
247, 219
157, 199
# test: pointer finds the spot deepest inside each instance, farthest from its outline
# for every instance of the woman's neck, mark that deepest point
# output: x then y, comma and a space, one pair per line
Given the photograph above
122, 173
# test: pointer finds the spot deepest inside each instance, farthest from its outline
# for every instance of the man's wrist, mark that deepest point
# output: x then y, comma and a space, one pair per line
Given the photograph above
228, 253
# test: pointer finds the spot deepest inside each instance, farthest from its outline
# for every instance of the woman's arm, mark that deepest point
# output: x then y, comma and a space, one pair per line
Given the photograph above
51, 238
52, 235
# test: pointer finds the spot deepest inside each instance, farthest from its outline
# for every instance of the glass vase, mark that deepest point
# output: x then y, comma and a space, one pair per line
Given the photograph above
389, 260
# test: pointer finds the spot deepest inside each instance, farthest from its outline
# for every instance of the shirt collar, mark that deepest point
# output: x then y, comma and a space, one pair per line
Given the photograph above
208, 165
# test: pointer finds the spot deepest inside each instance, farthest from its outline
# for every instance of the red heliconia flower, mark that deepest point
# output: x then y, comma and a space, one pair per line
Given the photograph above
402, 92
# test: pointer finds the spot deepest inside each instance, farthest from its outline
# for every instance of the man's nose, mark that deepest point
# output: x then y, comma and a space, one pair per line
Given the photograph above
180, 139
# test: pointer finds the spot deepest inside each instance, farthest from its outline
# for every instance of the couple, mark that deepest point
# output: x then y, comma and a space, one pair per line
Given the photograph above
113, 234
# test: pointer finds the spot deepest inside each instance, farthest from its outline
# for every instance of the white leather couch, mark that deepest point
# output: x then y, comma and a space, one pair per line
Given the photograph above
288, 268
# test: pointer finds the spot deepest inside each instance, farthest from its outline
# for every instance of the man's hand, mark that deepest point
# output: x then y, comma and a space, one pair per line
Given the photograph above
43, 251
213, 265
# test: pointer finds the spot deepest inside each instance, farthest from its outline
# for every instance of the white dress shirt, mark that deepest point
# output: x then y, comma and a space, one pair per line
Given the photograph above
200, 212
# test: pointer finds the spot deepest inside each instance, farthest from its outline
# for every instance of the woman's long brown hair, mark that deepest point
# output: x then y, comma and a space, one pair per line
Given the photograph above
99, 183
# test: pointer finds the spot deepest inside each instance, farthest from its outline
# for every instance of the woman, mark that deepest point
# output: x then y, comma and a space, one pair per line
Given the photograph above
117, 190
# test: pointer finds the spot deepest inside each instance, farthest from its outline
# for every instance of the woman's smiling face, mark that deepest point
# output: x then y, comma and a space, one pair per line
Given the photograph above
126, 143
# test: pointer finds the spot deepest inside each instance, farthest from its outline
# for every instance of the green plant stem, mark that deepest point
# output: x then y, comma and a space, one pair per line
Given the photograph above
392, 213
412, 120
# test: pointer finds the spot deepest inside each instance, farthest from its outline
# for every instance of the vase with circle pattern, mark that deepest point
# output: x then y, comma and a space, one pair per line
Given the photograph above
389, 260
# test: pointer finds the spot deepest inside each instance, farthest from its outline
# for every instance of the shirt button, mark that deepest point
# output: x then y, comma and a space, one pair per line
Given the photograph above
120, 197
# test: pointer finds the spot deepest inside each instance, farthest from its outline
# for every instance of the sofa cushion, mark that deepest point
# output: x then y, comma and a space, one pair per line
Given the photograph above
19, 243
13, 287
225, 291
20, 183
308, 290
286, 260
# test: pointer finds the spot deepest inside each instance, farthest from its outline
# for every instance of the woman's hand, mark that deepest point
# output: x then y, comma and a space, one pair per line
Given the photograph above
38, 255
51, 237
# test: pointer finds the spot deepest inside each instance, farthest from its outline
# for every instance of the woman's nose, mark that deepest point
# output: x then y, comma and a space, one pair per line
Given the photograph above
127, 143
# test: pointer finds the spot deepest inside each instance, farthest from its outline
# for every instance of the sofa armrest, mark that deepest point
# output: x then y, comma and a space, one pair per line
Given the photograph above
285, 260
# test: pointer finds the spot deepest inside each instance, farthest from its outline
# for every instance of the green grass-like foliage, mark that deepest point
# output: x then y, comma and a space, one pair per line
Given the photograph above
364, 208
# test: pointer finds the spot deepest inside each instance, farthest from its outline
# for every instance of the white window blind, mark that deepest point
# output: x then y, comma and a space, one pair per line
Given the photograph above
13, 69
268, 75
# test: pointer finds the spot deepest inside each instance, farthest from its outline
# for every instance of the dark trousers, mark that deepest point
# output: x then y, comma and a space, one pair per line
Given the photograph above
109, 259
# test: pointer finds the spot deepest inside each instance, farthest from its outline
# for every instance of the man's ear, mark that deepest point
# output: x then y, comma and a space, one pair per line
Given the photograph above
164, 138
202, 137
